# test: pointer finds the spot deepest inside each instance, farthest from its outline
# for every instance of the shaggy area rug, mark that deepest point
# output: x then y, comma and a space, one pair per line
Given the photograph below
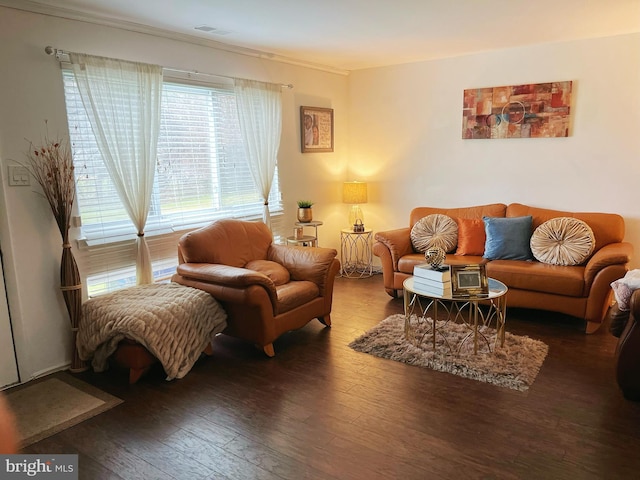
515, 365
54, 403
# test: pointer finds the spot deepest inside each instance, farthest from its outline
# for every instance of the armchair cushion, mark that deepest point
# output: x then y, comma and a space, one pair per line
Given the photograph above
276, 272
295, 294
230, 242
304, 263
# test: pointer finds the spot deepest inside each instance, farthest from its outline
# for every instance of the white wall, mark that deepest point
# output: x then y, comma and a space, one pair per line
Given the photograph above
406, 128
31, 91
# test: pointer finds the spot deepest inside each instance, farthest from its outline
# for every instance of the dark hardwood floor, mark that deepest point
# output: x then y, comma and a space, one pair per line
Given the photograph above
319, 410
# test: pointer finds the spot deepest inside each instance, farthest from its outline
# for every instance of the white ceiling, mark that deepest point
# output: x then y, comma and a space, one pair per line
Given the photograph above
356, 34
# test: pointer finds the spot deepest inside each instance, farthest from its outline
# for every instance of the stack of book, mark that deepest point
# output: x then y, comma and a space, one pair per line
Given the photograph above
433, 280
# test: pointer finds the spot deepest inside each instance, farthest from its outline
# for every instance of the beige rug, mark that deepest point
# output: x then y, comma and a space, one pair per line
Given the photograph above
514, 366
51, 404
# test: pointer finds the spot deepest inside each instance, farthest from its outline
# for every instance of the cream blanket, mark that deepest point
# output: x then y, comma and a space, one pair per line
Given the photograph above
175, 323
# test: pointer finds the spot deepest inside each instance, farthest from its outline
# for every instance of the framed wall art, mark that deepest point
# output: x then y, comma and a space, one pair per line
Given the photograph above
316, 129
535, 110
469, 280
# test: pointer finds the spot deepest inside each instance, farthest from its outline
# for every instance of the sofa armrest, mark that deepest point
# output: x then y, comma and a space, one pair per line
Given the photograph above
612, 254
398, 242
227, 276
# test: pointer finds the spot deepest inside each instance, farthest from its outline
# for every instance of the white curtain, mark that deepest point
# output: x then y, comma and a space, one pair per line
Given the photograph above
260, 115
122, 100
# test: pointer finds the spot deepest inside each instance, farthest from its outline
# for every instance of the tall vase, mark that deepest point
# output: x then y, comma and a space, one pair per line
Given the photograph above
71, 287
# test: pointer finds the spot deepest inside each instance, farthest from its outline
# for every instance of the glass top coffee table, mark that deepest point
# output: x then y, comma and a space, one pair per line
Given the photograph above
418, 303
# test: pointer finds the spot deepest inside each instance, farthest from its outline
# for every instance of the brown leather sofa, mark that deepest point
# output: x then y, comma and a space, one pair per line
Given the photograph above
237, 263
582, 291
625, 325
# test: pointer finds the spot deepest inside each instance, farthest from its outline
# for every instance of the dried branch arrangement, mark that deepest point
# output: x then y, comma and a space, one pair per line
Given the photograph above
51, 164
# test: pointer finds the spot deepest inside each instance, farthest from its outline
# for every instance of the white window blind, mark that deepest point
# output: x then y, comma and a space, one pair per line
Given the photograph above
201, 175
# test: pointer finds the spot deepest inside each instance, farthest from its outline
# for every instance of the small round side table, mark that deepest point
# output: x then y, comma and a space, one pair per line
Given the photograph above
357, 259
314, 224
303, 241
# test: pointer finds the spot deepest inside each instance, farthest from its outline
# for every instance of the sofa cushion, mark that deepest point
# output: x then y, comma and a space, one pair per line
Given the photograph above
407, 262
436, 230
562, 241
507, 238
471, 236
538, 277
276, 272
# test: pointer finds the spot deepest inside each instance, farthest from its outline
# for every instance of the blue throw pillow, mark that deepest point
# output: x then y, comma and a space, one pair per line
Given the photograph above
508, 238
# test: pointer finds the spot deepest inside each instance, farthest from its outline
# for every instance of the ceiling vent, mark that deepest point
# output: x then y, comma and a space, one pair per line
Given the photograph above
213, 30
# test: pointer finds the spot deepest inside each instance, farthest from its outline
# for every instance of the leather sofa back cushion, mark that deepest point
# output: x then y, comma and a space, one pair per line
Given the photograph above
471, 236
491, 210
228, 242
607, 227
276, 272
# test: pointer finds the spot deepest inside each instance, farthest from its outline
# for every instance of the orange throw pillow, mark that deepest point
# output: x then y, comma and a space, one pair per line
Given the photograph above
471, 236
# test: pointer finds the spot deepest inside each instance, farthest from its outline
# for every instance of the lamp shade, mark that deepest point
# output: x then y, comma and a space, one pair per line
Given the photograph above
354, 192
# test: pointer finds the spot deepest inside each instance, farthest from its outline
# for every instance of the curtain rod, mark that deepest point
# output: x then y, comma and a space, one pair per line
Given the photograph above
59, 54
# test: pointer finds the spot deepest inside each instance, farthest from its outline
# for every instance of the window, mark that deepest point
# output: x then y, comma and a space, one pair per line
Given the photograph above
201, 175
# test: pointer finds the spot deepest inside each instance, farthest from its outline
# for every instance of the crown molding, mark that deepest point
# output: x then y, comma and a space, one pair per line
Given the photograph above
60, 12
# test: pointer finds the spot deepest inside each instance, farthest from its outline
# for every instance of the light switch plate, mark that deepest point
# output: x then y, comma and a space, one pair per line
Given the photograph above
19, 176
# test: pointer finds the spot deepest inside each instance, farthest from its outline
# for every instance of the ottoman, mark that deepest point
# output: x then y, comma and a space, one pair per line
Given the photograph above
137, 326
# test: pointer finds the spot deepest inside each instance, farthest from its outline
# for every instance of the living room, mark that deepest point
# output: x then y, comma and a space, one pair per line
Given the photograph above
398, 127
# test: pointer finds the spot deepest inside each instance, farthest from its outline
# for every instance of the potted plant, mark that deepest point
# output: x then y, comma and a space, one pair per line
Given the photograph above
305, 215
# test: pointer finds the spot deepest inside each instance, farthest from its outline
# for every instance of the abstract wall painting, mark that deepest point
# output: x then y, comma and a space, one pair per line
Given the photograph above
537, 110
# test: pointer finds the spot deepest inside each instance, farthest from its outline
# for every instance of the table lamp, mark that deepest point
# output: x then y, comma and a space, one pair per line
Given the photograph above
354, 193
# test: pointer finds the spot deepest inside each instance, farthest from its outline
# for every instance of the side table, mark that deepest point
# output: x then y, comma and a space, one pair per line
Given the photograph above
357, 259
303, 241
306, 240
314, 223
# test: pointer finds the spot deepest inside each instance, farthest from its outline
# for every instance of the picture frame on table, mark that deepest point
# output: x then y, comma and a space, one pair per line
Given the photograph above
316, 129
469, 280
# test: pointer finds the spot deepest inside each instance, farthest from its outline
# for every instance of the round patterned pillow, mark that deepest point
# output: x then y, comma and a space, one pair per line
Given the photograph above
435, 230
563, 241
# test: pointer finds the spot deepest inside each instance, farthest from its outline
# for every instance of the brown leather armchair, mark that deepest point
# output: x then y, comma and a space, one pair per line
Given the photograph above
266, 289
626, 326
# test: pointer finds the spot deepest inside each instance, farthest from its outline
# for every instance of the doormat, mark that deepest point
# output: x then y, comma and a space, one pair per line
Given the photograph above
48, 405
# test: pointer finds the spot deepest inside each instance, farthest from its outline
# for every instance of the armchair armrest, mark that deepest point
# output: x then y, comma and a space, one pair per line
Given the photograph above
612, 254
227, 276
398, 242
304, 263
